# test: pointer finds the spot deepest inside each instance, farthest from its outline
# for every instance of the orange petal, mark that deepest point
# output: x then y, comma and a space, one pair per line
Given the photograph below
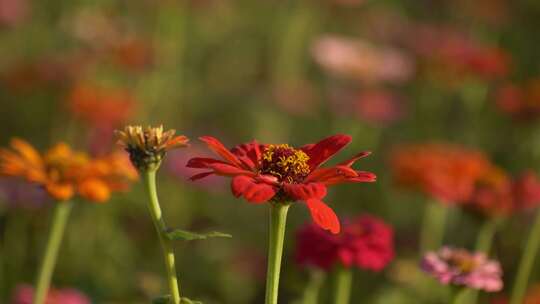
94, 190
60, 192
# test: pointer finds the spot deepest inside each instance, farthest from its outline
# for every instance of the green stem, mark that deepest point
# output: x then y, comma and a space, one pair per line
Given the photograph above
60, 217
343, 286
526, 263
278, 220
166, 246
460, 296
433, 225
484, 240
311, 292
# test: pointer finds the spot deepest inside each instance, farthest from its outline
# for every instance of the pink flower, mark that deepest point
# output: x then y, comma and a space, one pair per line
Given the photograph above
24, 294
378, 107
366, 242
463, 268
358, 60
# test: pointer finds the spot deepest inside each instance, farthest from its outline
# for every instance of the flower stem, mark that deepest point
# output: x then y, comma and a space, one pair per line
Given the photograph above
278, 220
60, 217
343, 285
311, 292
484, 240
459, 296
168, 254
432, 233
526, 263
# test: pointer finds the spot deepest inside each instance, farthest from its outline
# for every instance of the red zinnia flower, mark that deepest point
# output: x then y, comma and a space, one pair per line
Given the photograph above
366, 242
263, 172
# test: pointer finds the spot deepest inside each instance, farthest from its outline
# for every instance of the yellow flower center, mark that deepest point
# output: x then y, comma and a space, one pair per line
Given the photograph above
285, 163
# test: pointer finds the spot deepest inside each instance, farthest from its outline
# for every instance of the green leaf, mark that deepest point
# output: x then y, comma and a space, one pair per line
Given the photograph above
183, 235
188, 301
166, 299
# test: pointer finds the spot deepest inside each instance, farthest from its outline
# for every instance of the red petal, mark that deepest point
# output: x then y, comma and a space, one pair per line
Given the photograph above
306, 191
323, 215
252, 191
200, 175
323, 150
323, 174
249, 154
202, 162
353, 159
226, 169
216, 146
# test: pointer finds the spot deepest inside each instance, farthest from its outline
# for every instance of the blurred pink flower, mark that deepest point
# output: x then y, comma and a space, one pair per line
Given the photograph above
358, 60
24, 295
365, 242
463, 268
379, 107
175, 164
13, 12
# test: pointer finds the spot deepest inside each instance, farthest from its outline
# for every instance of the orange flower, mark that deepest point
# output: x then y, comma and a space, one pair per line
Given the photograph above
444, 171
147, 147
64, 172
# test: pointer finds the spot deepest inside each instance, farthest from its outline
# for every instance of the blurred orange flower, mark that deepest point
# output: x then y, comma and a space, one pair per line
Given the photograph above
446, 172
64, 172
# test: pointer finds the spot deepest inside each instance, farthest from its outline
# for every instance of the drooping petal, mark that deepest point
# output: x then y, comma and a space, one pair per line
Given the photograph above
323, 215
215, 145
202, 162
252, 191
326, 148
353, 159
201, 175
306, 191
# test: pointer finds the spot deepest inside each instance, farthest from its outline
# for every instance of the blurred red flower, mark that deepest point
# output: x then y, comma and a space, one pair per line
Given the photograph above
13, 12
134, 54
365, 242
446, 172
453, 55
521, 101
25, 293
497, 194
263, 173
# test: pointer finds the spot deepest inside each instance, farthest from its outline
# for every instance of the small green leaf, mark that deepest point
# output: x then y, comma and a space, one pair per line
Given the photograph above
183, 235
166, 299
188, 301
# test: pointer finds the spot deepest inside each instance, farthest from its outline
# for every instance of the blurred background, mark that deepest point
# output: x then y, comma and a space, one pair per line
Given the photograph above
386, 72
